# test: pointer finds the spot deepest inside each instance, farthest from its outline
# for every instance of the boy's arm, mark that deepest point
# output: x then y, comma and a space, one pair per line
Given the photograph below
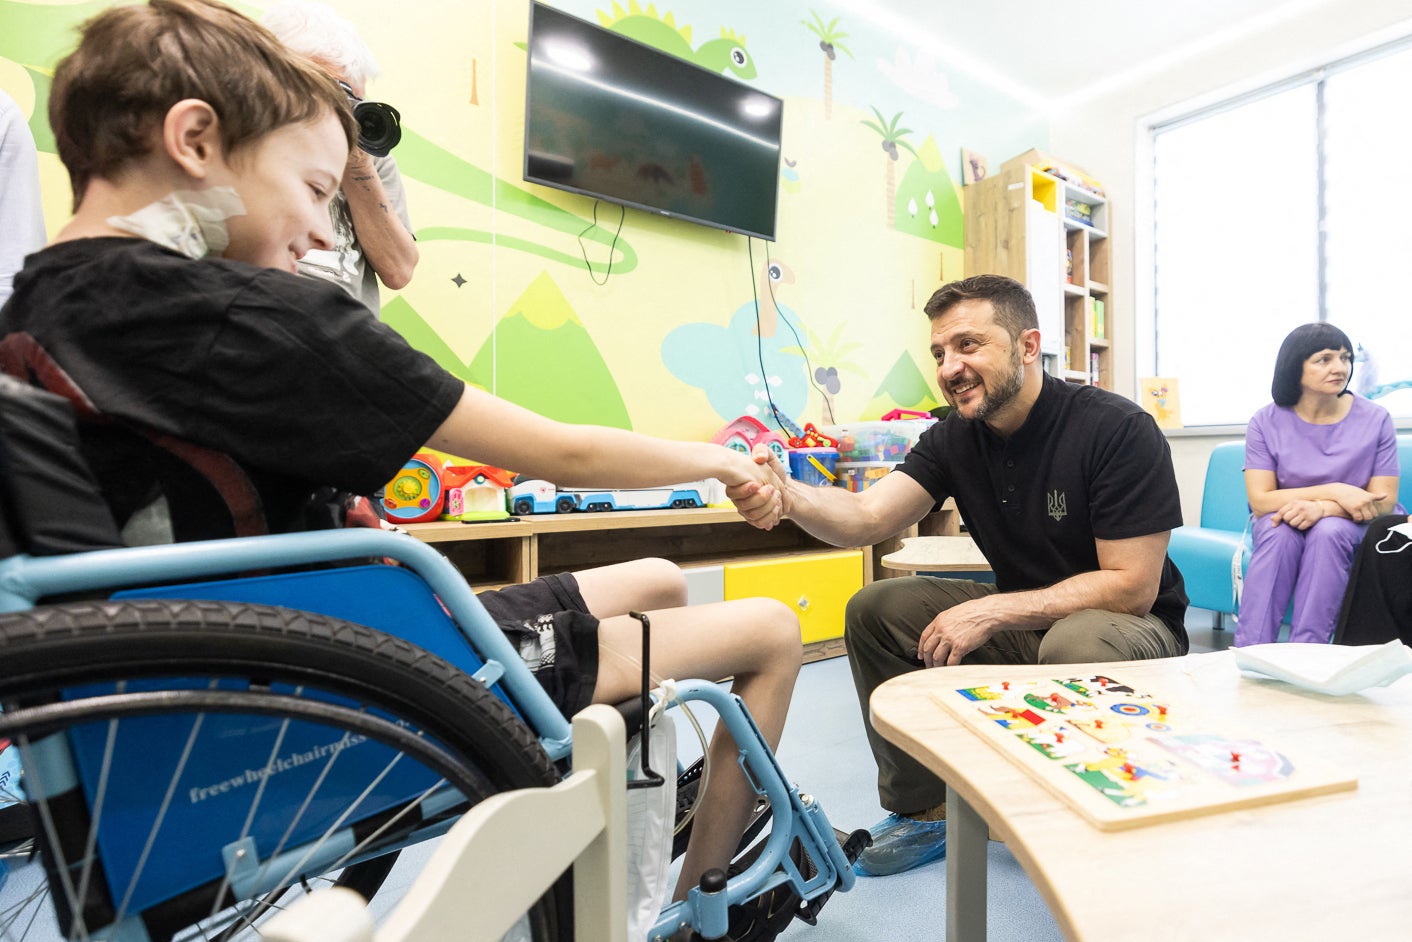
485, 428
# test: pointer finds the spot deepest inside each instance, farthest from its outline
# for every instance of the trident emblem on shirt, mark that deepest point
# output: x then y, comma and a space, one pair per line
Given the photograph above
1058, 505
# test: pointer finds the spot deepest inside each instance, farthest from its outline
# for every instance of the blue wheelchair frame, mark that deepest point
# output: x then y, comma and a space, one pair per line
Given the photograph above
479, 647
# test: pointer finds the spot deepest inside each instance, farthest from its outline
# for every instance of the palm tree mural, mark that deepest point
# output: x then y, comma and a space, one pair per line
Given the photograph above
829, 37
892, 139
832, 359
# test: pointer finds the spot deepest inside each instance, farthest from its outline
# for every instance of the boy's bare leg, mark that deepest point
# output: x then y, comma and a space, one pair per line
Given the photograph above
641, 585
755, 641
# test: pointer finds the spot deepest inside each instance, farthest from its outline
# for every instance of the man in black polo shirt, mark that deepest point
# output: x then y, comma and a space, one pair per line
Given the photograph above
1067, 490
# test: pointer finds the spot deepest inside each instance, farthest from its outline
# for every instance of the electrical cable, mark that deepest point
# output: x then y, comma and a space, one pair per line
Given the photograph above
760, 340
584, 249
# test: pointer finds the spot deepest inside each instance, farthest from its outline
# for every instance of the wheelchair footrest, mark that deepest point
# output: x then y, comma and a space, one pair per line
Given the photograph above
853, 845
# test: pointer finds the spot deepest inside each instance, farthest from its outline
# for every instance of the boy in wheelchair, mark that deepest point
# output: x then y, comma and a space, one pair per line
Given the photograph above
228, 396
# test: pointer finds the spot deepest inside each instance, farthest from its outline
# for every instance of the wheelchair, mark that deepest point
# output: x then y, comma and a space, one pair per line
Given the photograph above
208, 730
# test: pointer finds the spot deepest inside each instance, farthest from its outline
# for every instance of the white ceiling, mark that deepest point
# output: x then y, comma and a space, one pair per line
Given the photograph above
1055, 52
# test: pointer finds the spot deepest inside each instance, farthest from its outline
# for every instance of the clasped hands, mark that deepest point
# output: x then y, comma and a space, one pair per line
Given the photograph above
1359, 504
762, 498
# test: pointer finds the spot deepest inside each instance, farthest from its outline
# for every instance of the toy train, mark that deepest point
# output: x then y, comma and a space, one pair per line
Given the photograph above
541, 497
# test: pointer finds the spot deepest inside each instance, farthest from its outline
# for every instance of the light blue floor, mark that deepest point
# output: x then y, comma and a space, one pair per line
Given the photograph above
824, 750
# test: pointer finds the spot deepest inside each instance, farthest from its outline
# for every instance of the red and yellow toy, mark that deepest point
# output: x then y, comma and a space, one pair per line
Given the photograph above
416, 494
428, 488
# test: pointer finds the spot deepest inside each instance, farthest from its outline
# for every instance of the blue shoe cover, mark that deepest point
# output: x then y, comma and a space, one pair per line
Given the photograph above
901, 843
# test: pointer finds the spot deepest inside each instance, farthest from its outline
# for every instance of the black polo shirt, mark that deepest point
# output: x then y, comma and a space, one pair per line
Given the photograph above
1087, 464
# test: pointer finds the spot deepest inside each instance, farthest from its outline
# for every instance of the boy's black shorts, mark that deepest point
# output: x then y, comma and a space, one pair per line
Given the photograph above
548, 622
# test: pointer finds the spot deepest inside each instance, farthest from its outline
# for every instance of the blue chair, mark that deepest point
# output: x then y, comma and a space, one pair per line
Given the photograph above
1205, 553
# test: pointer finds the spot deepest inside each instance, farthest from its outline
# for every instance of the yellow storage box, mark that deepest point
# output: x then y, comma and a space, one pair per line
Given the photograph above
815, 586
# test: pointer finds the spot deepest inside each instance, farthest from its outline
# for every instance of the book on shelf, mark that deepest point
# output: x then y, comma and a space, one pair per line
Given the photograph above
1096, 327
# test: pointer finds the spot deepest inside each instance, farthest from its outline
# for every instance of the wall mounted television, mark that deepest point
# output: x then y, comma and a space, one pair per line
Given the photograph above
609, 117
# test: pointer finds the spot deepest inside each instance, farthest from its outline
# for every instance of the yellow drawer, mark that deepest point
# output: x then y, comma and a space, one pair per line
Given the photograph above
816, 586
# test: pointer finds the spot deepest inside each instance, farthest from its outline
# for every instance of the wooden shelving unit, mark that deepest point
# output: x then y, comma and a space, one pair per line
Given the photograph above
1050, 233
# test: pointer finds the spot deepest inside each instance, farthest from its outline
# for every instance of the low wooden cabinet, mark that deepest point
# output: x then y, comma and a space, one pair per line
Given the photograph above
784, 563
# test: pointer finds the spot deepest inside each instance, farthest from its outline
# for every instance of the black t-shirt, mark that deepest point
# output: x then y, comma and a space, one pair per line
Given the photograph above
1086, 464
289, 376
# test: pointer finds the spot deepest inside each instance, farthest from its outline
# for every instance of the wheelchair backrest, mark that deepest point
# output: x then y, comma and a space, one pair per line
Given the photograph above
50, 503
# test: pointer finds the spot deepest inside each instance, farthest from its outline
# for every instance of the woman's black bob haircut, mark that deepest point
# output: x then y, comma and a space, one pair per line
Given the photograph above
1301, 344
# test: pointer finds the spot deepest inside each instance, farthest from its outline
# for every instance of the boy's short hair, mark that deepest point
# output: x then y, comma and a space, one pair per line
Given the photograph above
134, 62
1013, 304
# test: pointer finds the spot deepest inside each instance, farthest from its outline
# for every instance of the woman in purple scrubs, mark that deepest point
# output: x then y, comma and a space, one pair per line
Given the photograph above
1320, 463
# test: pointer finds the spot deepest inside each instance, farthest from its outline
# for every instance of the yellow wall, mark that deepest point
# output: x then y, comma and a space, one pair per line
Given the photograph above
502, 295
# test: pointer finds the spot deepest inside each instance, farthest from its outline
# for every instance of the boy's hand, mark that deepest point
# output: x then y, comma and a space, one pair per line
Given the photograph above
760, 499
762, 455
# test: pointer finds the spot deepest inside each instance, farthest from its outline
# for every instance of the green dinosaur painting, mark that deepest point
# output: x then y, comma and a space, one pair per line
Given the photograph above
725, 54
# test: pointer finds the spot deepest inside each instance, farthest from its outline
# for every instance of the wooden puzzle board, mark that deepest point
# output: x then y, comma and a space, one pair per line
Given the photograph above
1123, 757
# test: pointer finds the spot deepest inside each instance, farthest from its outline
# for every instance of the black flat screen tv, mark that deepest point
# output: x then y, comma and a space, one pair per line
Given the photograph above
609, 117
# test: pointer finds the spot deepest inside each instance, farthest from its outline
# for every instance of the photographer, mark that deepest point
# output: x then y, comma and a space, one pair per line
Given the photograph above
373, 237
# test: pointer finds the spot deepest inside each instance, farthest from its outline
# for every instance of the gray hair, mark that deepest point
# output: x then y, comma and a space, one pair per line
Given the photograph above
315, 31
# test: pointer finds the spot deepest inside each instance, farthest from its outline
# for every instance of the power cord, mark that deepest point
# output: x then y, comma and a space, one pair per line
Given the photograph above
760, 341
584, 249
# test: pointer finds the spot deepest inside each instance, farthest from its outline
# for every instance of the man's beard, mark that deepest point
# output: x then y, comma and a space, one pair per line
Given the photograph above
995, 400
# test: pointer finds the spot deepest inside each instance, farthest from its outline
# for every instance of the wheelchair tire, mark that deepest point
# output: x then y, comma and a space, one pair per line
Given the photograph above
77, 650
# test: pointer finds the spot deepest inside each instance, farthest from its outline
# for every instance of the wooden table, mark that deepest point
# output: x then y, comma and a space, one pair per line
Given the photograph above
1333, 866
937, 554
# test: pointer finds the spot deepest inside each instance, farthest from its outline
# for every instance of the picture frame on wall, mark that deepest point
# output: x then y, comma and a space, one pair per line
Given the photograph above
1160, 397
973, 167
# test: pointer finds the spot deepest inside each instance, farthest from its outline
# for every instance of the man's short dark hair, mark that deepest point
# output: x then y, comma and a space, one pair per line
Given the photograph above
1014, 307
1301, 344
134, 62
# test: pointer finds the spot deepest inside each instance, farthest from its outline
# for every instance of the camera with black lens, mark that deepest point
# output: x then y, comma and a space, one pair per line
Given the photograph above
379, 125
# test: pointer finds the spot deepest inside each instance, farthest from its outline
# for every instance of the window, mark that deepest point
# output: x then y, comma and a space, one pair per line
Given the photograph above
1290, 205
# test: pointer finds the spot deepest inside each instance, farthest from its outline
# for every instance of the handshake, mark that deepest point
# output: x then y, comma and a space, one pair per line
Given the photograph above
760, 490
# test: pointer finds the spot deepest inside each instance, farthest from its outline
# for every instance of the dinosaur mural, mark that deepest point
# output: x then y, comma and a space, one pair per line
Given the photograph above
724, 54
749, 364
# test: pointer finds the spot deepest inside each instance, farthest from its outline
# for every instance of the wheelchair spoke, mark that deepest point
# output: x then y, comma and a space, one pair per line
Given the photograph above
255, 806
246, 711
371, 840
339, 822
97, 812
166, 804
46, 819
34, 902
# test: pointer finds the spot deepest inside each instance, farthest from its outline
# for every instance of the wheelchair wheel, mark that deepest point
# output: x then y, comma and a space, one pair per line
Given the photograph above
191, 765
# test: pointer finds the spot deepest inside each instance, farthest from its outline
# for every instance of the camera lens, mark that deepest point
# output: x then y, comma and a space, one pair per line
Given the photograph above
379, 127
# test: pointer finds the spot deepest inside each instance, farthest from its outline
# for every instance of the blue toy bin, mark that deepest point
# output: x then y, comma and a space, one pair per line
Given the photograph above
805, 472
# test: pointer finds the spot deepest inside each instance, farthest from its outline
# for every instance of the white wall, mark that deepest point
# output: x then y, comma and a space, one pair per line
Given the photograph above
1103, 135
